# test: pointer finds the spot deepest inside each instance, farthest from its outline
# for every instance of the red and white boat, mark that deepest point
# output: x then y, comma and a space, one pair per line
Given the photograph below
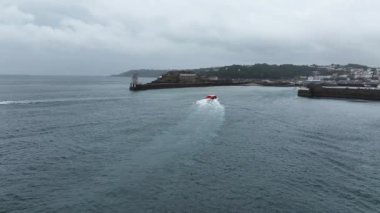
211, 97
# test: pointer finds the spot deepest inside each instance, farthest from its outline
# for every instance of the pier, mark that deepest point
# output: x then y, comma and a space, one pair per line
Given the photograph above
317, 91
178, 79
149, 86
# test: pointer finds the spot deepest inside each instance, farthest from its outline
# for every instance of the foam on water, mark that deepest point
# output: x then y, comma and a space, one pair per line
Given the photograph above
56, 100
210, 104
17, 102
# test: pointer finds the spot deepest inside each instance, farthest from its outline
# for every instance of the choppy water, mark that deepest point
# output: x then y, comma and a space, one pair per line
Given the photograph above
87, 144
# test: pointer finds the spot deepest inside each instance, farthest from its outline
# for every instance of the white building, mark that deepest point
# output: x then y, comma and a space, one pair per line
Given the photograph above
213, 78
187, 77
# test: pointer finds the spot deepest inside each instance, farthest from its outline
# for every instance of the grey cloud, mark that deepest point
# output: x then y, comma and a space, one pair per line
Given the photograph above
105, 37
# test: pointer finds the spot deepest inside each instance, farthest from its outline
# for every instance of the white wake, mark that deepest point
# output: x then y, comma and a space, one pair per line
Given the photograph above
176, 146
200, 126
7, 102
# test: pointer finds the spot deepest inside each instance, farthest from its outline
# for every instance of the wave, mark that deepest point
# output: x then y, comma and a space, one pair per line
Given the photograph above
56, 100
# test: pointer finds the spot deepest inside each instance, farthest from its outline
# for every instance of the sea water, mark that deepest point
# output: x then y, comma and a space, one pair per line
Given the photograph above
88, 144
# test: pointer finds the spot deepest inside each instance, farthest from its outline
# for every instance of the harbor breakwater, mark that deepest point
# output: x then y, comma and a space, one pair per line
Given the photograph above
363, 93
149, 86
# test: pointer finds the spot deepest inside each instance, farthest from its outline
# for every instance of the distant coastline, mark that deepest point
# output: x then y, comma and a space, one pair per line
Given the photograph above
271, 72
355, 75
150, 73
334, 81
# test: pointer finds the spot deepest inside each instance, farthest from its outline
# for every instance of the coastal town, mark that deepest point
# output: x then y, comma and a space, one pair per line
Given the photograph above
334, 81
350, 75
283, 75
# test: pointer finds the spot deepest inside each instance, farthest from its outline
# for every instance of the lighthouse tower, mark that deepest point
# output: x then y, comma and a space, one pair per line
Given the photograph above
134, 82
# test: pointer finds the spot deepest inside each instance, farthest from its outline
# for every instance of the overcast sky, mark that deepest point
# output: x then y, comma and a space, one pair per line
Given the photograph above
103, 37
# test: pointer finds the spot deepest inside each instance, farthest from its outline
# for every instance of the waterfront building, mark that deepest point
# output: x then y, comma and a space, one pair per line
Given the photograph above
213, 78
188, 77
